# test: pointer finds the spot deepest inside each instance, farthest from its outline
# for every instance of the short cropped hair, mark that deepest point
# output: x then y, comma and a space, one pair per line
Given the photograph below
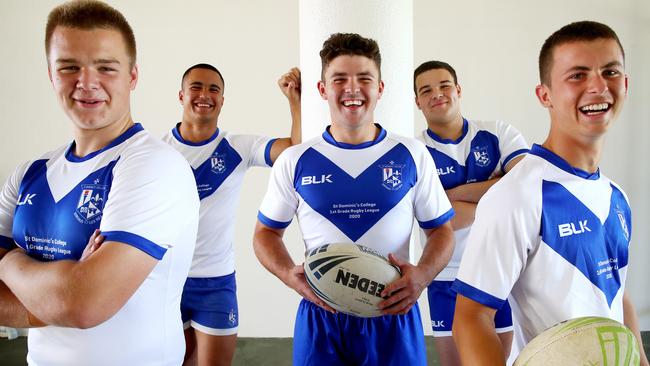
202, 66
433, 65
349, 44
88, 15
578, 31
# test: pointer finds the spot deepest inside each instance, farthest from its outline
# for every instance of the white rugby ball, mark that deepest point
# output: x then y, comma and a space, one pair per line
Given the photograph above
349, 277
582, 341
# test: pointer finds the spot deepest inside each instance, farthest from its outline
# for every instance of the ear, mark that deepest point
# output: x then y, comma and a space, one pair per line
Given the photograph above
321, 89
626, 83
180, 96
417, 102
543, 95
49, 73
134, 77
381, 89
458, 89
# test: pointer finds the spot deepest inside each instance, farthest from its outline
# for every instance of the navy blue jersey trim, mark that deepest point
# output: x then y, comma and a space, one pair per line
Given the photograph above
327, 136
512, 156
432, 224
7, 243
272, 223
136, 241
477, 295
450, 141
556, 160
177, 135
120, 139
267, 152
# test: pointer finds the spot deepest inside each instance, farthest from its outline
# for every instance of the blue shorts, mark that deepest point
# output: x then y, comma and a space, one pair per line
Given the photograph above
442, 303
323, 338
209, 305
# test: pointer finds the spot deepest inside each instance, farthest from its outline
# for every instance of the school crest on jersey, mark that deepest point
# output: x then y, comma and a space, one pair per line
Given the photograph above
391, 176
481, 156
621, 219
218, 163
91, 203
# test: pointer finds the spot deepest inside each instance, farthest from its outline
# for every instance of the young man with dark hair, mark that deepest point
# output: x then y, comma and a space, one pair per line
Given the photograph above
470, 157
556, 230
119, 303
361, 163
219, 161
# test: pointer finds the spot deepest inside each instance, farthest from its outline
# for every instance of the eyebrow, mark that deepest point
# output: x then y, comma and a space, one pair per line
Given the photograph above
100, 61
427, 86
585, 68
198, 83
365, 73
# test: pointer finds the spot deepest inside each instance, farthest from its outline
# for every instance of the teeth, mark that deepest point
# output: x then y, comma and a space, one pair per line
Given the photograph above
595, 107
355, 102
202, 105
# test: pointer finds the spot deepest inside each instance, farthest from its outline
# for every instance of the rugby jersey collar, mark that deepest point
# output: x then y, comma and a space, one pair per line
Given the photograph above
450, 141
556, 160
177, 135
327, 136
120, 139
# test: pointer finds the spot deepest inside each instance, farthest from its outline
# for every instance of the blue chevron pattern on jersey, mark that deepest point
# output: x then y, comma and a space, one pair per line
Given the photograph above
383, 184
574, 232
212, 172
50, 230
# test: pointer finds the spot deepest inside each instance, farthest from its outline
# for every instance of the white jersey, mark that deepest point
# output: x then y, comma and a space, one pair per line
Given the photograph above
553, 240
219, 165
479, 154
367, 193
137, 191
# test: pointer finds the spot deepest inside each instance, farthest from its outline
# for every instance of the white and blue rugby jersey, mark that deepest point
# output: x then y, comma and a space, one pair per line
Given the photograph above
219, 165
366, 193
554, 239
479, 154
137, 191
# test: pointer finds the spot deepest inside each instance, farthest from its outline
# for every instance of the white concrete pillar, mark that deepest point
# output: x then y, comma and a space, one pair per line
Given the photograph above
390, 23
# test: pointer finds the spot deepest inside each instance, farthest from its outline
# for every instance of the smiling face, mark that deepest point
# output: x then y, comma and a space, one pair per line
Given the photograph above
587, 88
92, 76
351, 86
438, 97
201, 96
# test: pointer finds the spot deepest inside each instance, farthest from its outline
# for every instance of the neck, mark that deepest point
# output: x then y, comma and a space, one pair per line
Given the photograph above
581, 154
197, 131
354, 136
89, 141
447, 130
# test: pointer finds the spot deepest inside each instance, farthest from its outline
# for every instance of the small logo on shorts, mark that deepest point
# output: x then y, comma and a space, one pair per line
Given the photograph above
91, 203
218, 163
232, 317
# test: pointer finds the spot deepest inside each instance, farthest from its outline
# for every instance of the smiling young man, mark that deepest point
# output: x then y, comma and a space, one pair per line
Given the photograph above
362, 164
117, 304
554, 224
470, 157
219, 161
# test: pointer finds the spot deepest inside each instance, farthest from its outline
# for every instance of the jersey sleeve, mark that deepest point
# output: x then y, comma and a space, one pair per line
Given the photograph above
432, 207
505, 230
256, 148
511, 143
280, 202
152, 200
8, 202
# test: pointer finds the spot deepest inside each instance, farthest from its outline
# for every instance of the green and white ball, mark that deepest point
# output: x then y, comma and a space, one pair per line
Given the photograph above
582, 341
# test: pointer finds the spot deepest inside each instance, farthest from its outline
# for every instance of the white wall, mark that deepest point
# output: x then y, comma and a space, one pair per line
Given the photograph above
493, 47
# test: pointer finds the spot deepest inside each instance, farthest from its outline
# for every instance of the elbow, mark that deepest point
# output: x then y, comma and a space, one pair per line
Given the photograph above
81, 313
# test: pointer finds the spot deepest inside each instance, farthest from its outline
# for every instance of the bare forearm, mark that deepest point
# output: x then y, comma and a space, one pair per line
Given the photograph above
12, 312
631, 321
272, 253
296, 122
464, 213
473, 332
470, 192
438, 250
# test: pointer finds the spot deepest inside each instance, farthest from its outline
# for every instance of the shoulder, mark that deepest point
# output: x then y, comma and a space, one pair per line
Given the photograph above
520, 188
151, 154
415, 146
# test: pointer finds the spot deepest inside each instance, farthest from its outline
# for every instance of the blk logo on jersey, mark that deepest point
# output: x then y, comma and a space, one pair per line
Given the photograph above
313, 179
391, 176
27, 200
91, 203
481, 156
446, 170
218, 163
571, 228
